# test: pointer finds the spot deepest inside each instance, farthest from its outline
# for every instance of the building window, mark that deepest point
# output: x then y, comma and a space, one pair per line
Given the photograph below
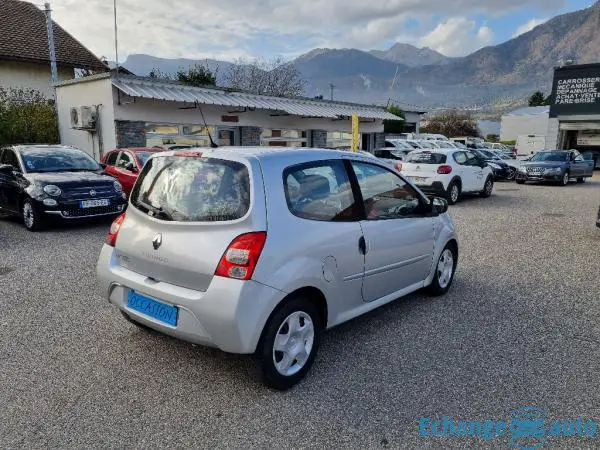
283, 138
339, 140
172, 134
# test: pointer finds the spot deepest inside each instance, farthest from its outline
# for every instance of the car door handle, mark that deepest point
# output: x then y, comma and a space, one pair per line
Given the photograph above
362, 245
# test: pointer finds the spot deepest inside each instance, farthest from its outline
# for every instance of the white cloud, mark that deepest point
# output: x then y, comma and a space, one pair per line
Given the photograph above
528, 26
458, 36
217, 28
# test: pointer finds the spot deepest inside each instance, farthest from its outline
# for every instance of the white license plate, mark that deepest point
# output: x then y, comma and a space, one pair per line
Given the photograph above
418, 179
94, 203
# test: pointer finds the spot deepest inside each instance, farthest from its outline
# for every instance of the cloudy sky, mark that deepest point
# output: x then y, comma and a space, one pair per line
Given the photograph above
227, 29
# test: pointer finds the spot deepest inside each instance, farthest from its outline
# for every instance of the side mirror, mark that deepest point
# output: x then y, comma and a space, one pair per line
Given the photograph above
438, 205
7, 170
131, 168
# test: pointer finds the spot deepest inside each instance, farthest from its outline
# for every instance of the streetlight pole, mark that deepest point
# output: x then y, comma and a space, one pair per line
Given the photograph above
116, 39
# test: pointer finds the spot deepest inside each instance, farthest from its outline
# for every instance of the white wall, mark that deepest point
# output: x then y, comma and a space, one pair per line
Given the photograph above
14, 74
96, 92
148, 110
514, 126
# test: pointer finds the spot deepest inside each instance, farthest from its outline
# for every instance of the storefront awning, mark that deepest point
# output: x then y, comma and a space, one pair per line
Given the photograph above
167, 91
579, 126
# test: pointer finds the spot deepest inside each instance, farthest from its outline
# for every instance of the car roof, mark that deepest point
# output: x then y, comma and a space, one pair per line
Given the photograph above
140, 149
271, 153
443, 151
21, 147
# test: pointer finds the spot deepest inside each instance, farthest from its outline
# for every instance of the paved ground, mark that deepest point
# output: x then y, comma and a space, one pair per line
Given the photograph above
520, 326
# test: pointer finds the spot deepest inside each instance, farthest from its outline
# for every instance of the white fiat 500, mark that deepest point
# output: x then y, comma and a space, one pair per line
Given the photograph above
257, 250
449, 173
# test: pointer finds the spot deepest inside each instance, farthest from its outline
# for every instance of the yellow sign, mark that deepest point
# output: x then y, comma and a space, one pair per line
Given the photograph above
355, 133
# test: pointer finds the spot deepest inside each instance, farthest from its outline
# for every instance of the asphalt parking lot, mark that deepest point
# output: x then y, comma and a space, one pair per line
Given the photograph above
519, 327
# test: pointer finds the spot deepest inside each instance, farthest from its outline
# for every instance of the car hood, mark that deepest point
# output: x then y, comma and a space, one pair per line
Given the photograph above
71, 178
545, 164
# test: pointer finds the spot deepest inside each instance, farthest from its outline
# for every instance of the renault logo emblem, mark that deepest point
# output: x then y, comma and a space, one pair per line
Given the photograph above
93, 193
157, 241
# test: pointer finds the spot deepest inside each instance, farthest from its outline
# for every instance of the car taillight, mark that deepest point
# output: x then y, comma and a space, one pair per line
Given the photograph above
113, 232
399, 167
241, 257
444, 169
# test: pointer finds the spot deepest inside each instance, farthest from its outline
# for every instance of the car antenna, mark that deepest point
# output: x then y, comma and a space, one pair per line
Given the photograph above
212, 143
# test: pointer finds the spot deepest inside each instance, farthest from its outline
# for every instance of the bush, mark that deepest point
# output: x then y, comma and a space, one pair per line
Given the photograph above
27, 117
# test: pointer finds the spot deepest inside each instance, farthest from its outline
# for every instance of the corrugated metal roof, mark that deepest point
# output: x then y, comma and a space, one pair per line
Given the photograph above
530, 111
161, 90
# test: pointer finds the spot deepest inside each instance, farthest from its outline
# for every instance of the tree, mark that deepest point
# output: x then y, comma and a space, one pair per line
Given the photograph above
537, 99
451, 123
197, 75
394, 126
26, 116
270, 77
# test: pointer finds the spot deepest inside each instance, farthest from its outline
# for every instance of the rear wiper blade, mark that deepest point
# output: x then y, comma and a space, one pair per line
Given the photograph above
157, 211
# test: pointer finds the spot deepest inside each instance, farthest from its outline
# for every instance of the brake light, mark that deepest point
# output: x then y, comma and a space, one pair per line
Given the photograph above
241, 257
399, 167
113, 232
444, 169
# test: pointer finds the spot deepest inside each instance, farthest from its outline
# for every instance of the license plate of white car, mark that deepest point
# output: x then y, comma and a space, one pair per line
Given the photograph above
94, 203
418, 179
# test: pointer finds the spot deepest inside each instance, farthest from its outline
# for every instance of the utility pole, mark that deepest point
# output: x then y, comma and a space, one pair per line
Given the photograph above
116, 39
51, 50
331, 87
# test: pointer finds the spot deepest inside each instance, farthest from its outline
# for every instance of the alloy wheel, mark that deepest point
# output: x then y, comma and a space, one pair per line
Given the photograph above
489, 187
28, 215
454, 193
566, 179
445, 268
293, 343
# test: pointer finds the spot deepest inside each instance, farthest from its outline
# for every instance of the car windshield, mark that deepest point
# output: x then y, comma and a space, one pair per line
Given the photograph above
426, 158
550, 156
193, 189
57, 159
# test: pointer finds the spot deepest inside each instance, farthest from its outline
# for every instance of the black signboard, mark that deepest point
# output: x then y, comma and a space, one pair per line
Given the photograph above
576, 91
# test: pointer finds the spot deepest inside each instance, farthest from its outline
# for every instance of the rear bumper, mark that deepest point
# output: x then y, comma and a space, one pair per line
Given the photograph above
230, 315
436, 188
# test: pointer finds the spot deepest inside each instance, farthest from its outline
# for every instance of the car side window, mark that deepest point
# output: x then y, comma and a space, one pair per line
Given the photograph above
460, 158
320, 191
472, 159
124, 159
385, 194
112, 159
9, 157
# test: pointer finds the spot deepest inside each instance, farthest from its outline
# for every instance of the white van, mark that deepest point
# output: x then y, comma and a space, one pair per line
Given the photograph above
530, 143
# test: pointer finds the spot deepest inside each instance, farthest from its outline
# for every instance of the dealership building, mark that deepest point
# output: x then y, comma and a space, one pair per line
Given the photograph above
575, 111
106, 111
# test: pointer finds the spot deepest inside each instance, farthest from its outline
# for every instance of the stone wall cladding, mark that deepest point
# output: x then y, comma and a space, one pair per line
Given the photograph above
379, 140
250, 136
130, 134
318, 138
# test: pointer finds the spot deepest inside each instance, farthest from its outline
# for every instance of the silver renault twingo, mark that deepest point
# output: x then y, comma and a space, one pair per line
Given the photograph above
257, 250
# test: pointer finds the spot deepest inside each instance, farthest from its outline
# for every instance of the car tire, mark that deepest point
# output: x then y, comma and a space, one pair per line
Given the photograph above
32, 217
444, 271
511, 174
581, 180
453, 193
565, 179
520, 181
488, 188
286, 361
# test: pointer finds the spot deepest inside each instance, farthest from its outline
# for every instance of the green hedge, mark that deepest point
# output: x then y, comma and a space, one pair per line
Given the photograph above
27, 117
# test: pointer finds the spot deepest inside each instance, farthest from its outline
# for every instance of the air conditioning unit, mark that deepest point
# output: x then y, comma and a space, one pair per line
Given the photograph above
83, 118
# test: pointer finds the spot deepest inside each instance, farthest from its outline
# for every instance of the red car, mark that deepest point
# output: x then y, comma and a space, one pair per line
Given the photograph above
125, 164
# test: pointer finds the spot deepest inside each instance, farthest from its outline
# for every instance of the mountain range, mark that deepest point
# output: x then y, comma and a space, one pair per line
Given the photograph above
493, 78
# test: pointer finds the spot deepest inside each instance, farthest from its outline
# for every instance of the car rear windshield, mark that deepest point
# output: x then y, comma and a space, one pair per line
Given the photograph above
193, 189
426, 158
57, 159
